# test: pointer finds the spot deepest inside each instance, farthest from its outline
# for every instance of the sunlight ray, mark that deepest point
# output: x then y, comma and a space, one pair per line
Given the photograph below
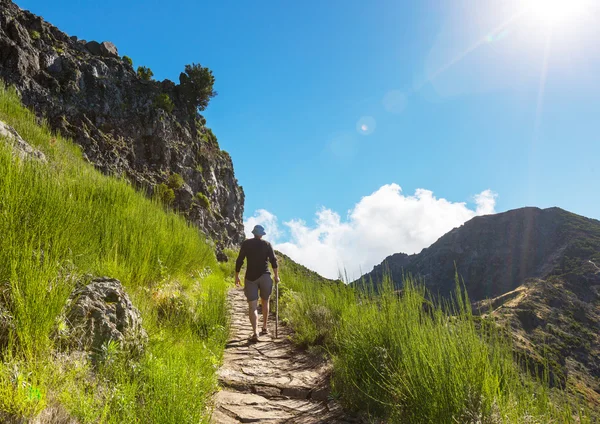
483, 40
539, 113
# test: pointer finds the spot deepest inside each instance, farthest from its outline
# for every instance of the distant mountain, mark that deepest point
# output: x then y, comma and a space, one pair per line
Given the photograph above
495, 254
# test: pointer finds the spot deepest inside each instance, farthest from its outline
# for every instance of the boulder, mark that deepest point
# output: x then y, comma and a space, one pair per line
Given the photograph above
94, 48
21, 148
108, 49
101, 311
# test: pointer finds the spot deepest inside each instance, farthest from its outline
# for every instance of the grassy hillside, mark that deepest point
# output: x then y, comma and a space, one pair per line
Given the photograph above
405, 358
62, 220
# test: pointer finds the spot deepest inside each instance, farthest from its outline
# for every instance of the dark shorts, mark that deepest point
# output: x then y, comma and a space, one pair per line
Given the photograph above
264, 284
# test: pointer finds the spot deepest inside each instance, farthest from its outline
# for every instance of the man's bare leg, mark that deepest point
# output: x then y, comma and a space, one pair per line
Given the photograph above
265, 312
253, 314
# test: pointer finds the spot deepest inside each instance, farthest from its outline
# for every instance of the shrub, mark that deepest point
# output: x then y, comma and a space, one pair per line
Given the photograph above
196, 85
175, 181
128, 60
164, 102
164, 193
145, 73
199, 168
208, 136
203, 200
35, 35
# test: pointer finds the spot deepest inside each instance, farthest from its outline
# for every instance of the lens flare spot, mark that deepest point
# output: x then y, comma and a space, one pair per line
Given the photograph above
366, 125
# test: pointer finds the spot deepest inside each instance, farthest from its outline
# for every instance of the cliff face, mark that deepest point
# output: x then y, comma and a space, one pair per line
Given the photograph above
125, 124
495, 254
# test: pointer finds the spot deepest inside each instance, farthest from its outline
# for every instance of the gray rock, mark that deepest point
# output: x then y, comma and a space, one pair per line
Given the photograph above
108, 49
100, 312
21, 148
94, 48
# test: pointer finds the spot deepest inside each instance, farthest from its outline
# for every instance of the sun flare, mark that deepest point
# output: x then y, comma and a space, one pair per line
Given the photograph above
555, 12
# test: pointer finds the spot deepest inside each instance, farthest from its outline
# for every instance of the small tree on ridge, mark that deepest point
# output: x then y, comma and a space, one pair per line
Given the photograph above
196, 85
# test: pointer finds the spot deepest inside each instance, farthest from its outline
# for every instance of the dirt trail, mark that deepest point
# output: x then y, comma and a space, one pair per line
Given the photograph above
271, 381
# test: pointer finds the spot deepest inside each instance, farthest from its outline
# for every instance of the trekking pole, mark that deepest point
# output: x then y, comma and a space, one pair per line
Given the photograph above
276, 308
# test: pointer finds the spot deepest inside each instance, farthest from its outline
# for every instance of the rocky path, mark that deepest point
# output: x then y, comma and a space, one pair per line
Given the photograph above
271, 381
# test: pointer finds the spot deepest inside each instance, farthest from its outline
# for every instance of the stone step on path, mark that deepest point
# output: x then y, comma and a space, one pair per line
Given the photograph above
271, 381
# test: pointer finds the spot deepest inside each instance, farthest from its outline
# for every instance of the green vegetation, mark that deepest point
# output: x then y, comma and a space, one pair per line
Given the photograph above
208, 136
164, 102
175, 181
203, 200
196, 85
64, 219
405, 358
145, 73
164, 194
128, 60
35, 35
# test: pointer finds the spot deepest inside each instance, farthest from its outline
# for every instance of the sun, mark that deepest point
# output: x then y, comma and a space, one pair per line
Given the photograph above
554, 12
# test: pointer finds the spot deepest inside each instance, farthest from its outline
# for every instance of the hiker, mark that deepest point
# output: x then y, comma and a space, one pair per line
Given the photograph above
259, 253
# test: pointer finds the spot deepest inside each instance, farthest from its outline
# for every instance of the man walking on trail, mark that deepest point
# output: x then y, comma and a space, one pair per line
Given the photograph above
259, 253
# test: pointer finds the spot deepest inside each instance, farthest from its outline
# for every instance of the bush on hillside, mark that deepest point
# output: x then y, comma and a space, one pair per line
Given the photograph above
164, 102
203, 200
175, 181
128, 60
145, 73
164, 194
196, 87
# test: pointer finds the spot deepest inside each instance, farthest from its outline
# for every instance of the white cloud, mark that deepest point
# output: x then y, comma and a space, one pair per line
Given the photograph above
486, 202
267, 220
383, 223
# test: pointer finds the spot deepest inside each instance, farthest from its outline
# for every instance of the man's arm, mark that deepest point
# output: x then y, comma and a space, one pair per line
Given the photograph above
274, 265
238, 264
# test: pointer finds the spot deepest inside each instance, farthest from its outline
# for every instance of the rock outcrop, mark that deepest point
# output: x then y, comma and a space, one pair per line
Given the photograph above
20, 147
126, 125
101, 312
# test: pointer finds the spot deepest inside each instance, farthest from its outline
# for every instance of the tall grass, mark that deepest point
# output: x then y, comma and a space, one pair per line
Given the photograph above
64, 219
407, 358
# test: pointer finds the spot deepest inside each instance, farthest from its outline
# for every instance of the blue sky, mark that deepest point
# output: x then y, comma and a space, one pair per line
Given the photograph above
451, 99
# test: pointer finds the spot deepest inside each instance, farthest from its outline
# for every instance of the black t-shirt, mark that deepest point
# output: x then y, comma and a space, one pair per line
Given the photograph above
259, 253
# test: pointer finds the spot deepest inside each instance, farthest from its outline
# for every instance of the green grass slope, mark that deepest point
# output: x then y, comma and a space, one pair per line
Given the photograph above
403, 357
62, 220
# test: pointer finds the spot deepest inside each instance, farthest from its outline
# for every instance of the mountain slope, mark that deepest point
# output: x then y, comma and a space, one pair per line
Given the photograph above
495, 254
557, 321
126, 123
